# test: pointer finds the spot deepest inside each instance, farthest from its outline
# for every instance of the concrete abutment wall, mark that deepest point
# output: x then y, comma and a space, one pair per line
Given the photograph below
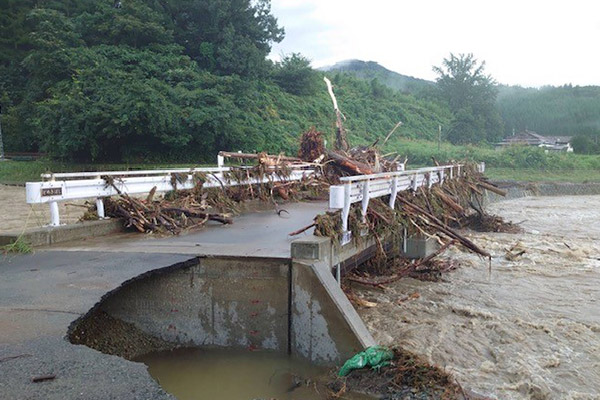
244, 303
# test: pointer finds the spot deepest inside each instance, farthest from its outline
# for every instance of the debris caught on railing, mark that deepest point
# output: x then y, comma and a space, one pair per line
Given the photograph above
185, 209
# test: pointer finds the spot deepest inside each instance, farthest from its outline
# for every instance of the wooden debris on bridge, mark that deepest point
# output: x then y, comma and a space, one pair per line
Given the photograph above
184, 209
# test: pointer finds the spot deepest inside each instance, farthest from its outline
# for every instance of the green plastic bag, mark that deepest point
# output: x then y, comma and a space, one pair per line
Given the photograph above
374, 357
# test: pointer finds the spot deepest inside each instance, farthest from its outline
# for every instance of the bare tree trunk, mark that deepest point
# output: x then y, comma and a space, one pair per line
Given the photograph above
341, 142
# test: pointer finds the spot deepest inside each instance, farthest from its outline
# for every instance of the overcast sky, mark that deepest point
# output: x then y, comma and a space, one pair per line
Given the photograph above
524, 42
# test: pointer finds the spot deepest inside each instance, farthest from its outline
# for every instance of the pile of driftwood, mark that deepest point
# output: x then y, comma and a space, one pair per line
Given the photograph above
437, 213
184, 209
163, 215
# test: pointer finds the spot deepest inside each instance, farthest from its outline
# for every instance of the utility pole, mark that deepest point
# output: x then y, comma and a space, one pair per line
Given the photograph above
439, 138
1, 143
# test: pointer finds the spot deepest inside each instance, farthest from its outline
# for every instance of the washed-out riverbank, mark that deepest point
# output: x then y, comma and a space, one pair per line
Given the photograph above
530, 329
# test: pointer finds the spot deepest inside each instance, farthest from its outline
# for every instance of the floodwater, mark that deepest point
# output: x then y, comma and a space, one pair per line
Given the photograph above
237, 375
530, 329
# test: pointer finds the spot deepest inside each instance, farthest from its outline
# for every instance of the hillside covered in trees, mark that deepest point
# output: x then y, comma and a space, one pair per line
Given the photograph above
135, 80
555, 111
148, 80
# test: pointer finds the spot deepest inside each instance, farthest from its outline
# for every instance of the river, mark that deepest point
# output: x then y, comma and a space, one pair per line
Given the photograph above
530, 329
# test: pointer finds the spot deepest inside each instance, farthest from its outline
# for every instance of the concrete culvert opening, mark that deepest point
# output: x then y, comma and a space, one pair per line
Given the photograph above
218, 327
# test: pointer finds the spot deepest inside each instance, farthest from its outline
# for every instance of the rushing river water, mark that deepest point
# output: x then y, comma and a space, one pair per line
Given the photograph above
198, 374
530, 329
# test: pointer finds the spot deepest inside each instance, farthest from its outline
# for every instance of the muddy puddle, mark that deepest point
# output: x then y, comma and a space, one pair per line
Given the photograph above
530, 329
197, 374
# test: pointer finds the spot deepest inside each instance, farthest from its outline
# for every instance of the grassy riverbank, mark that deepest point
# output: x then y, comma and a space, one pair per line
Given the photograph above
517, 163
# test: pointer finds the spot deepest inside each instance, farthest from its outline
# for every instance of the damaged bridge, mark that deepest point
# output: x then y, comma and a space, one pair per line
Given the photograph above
248, 285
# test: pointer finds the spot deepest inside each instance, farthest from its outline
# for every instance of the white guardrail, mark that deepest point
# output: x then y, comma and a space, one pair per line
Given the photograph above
365, 187
87, 185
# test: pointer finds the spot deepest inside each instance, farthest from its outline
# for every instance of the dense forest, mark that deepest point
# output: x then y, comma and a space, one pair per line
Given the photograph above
143, 80
150, 80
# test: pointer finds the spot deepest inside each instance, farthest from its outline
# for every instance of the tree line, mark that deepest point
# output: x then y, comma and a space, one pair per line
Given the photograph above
140, 80
135, 80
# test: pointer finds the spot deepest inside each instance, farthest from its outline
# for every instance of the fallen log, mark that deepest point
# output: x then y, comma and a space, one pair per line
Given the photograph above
492, 188
349, 164
448, 201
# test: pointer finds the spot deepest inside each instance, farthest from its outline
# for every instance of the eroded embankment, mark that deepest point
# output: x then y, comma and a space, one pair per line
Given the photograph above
528, 330
226, 302
110, 335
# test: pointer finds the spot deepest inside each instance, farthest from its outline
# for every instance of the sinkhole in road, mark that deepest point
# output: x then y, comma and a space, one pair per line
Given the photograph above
226, 327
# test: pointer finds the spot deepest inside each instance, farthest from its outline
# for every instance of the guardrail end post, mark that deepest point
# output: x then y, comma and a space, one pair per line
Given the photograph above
100, 208
54, 214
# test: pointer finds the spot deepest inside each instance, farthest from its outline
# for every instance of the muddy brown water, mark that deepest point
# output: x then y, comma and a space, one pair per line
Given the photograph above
199, 374
530, 329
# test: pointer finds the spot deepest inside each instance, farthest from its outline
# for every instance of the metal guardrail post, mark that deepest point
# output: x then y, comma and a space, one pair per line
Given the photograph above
365, 200
100, 208
54, 214
346, 234
394, 192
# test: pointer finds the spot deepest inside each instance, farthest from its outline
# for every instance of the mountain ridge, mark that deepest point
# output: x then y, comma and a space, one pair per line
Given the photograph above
374, 70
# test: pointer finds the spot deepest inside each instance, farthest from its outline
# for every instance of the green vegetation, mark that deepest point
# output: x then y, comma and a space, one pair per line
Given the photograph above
19, 172
471, 95
536, 175
18, 246
514, 163
553, 111
518, 157
566, 110
141, 82
158, 82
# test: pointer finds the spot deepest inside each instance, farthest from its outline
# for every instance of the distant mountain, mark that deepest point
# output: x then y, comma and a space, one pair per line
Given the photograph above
371, 69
